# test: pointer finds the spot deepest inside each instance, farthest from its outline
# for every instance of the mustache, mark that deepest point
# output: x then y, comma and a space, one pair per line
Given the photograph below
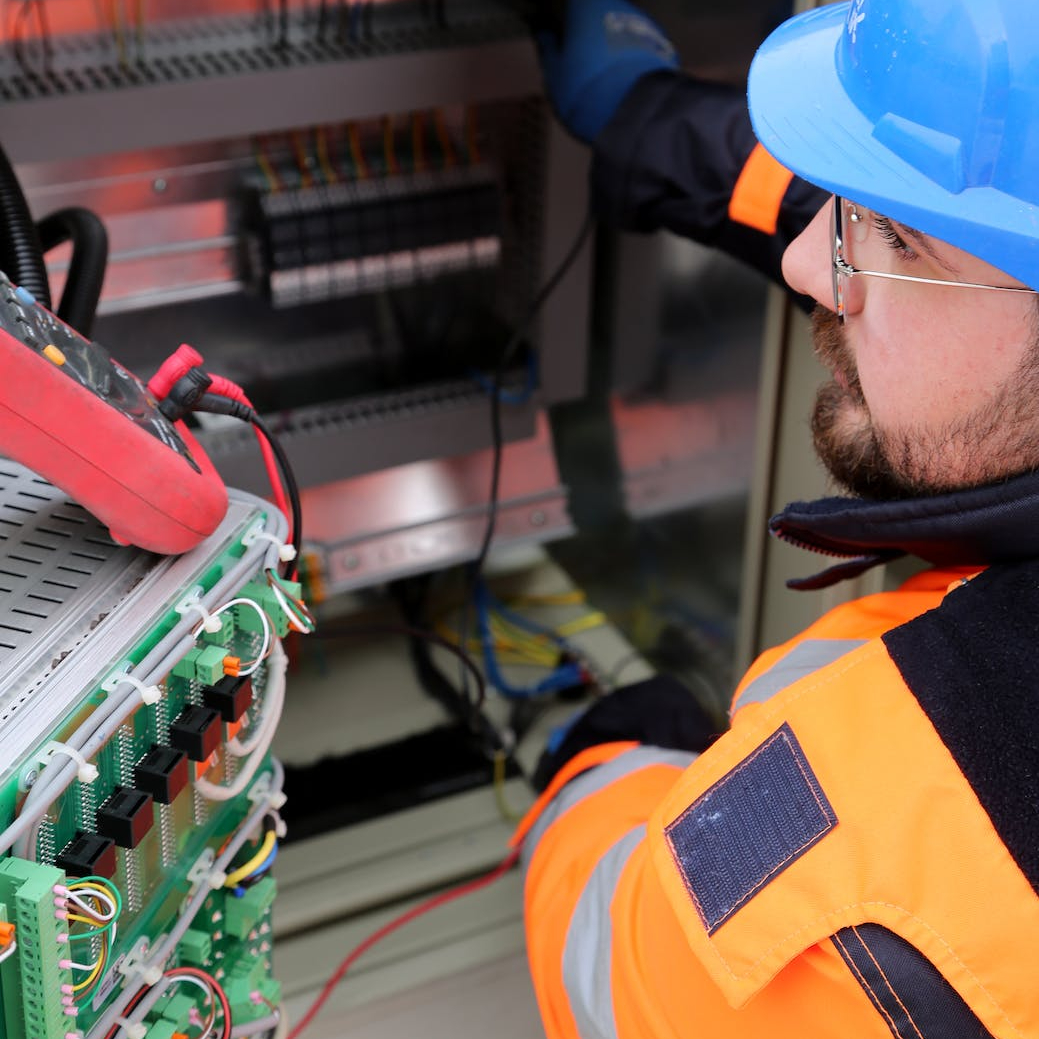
832, 349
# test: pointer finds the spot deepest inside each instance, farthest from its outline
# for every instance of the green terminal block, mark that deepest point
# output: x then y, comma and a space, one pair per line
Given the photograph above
240, 988
161, 1029
261, 594
203, 664
223, 636
243, 914
34, 974
177, 1006
195, 948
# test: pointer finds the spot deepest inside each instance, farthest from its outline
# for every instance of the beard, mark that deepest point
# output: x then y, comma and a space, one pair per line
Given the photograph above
997, 440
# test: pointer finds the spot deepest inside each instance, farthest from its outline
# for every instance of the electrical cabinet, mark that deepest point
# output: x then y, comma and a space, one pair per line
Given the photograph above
349, 208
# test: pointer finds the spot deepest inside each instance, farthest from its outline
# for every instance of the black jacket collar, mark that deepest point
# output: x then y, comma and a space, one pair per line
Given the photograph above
991, 524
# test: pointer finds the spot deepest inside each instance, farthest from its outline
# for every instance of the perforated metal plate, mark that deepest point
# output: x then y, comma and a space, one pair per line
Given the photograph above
73, 603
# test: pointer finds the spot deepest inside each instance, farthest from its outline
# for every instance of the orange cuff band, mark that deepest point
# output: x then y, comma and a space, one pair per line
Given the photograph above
759, 192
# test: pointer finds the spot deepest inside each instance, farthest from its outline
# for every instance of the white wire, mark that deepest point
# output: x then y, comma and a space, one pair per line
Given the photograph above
283, 602
74, 896
8, 952
259, 744
264, 620
83, 966
211, 997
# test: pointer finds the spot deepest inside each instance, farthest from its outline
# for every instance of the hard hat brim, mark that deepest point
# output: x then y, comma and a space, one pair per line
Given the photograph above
802, 114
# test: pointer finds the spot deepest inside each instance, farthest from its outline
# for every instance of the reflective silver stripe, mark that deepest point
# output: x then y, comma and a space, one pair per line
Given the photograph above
592, 781
802, 660
587, 954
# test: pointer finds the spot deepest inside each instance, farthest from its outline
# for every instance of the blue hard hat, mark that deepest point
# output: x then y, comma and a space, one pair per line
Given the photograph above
924, 110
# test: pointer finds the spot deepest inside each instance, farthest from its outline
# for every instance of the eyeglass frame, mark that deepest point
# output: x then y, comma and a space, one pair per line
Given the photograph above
840, 268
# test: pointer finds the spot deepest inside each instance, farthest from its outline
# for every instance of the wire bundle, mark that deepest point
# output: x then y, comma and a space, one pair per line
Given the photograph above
258, 864
94, 906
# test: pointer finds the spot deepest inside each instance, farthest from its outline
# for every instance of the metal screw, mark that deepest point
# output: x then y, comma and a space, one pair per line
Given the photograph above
538, 518
159, 185
29, 779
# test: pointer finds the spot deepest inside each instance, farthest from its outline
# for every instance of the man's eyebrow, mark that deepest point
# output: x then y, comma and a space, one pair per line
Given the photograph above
925, 244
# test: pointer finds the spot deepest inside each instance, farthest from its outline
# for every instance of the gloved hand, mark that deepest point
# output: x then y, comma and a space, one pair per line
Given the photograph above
658, 711
605, 46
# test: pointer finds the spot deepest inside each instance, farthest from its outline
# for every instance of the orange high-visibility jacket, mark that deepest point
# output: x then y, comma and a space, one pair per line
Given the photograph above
857, 857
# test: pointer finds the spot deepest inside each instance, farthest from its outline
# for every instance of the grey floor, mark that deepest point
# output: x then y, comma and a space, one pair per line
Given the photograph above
494, 999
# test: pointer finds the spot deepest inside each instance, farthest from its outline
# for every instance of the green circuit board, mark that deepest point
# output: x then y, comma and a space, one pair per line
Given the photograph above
155, 867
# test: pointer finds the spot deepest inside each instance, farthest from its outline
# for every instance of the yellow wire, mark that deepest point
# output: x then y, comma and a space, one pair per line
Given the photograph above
499, 789
572, 598
418, 141
356, 151
266, 168
93, 921
540, 646
115, 8
255, 862
507, 654
388, 144
596, 619
302, 160
446, 147
92, 977
93, 885
327, 170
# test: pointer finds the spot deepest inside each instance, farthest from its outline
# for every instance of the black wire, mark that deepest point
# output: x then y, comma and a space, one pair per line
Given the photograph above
283, 23
289, 480
513, 345
497, 440
86, 273
332, 631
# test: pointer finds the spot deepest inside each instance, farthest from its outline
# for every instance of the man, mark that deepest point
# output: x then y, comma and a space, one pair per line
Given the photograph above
859, 854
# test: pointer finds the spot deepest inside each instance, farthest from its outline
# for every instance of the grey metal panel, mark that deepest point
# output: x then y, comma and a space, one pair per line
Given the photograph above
564, 323
334, 441
73, 602
432, 514
261, 102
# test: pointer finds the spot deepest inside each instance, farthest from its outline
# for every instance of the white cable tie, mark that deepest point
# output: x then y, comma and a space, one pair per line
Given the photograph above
191, 604
150, 694
87, 772
286, 553
133, 1030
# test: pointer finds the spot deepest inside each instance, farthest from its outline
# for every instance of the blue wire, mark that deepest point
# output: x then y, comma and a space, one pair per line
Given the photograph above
520, 396
526, 623
564, 676
239, 892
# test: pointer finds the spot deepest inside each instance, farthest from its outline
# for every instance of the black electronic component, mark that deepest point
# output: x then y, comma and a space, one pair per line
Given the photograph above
231, 697
196, 732
126, 816
88, 855
362, 234
162, 772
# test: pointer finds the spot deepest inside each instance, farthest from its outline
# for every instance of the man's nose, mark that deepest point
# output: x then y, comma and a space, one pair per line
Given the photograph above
807, 262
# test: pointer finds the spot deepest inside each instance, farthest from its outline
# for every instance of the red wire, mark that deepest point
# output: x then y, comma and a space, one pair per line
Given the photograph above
177, 365
214, 987
224, 387
423, 907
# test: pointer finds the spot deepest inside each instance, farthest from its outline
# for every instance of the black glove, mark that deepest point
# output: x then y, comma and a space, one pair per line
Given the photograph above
659, 711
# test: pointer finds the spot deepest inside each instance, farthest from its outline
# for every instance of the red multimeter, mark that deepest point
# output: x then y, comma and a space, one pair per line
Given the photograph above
90, 427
